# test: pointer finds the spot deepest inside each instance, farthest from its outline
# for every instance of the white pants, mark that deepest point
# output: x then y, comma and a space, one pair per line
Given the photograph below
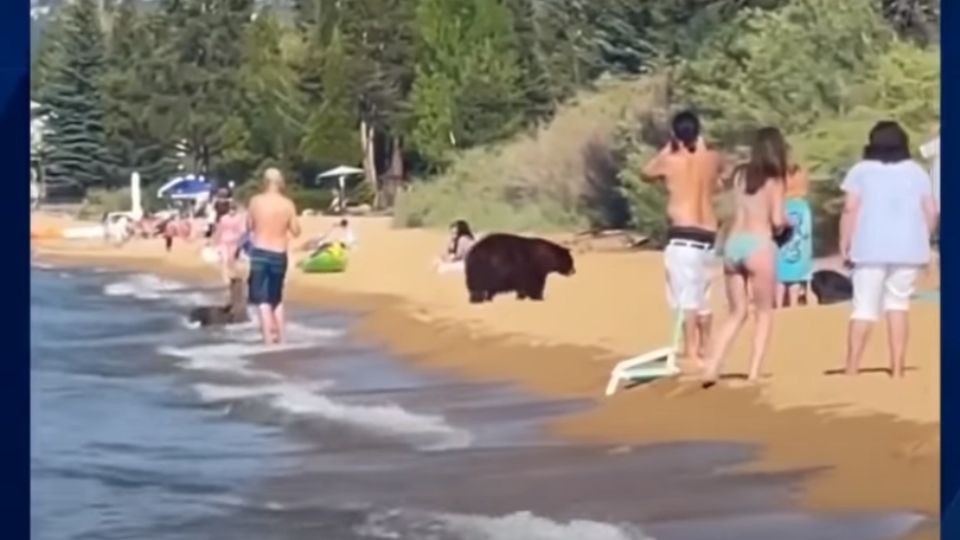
881, 288
688, 267
446, 267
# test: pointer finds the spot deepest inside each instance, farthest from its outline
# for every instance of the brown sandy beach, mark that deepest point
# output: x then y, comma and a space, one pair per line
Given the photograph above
875, 439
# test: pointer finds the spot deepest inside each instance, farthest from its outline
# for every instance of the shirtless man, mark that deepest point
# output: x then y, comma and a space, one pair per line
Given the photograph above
272, 219
691, 173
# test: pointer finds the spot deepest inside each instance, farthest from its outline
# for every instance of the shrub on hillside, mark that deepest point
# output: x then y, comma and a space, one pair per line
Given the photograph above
562, 176
824, 81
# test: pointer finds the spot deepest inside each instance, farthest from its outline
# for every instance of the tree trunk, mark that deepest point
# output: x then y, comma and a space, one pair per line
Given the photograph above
396, 159
396, 172
367, 140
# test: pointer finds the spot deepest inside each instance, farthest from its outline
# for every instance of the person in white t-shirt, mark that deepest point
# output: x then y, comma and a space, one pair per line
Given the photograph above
888, 218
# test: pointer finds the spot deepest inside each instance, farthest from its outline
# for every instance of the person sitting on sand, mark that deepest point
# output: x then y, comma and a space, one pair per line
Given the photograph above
795, 256
340, 233
227, 236
749, 253
461, 240
889, 215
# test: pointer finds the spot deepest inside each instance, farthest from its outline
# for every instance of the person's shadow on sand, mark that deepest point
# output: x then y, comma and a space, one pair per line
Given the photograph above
868, 371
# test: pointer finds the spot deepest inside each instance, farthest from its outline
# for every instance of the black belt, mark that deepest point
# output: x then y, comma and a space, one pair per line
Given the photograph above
692, 237
690, 244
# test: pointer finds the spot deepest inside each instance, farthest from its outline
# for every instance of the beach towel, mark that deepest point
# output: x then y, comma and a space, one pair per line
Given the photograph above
795, 257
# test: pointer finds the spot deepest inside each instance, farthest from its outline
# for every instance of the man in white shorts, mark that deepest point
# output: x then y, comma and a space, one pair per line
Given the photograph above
690, 172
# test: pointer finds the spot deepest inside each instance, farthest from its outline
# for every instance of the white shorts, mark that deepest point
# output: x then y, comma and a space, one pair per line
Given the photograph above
446, 267
881, 288
688, 266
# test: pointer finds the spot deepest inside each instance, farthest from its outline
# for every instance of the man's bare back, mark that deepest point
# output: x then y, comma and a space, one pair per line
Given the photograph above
691, 179
273, 219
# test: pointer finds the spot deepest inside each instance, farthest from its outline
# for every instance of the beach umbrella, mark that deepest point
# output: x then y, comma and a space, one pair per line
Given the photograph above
341, 173
190, 187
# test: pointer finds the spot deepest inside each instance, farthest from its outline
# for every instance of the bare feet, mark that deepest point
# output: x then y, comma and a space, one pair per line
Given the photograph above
710, 376
691, 364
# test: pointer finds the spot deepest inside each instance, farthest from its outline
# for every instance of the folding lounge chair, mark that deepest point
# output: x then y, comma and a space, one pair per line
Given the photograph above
651, 365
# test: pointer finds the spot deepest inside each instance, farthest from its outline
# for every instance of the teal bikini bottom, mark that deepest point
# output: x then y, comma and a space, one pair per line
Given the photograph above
740, 245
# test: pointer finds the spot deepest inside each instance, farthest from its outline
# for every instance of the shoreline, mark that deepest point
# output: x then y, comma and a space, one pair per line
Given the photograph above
846, 447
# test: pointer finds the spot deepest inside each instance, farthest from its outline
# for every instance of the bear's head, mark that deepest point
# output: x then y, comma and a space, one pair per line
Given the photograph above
562, 261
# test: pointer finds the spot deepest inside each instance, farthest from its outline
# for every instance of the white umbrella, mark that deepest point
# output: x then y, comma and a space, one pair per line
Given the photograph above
340, 173
342, 170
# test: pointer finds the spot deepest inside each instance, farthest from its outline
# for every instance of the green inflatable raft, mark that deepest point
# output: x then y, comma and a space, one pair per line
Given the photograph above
329, 259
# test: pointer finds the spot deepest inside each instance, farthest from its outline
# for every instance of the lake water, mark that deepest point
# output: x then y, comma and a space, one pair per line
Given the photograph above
145, 428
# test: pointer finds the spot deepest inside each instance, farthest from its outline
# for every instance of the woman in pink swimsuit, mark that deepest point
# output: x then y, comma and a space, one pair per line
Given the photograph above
227, 235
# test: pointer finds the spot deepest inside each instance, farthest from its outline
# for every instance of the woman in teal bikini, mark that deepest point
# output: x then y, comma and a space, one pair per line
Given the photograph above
750, 254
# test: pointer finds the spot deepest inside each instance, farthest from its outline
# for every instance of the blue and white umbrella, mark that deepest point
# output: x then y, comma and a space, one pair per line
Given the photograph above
189, 186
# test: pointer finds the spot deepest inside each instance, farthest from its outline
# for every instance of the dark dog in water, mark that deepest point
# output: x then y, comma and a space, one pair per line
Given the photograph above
506, 262
232, 313
831, 287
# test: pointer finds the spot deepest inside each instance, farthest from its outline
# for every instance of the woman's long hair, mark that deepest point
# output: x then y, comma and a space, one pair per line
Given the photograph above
461, 228
768, 159
889, 143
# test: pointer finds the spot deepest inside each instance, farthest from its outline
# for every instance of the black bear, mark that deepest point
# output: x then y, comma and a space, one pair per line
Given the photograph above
506, 262
831, 287
232, 313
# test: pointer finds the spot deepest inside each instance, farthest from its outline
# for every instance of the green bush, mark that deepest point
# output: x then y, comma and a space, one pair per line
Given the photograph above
789, 67
362, 193
561, 176
823, 80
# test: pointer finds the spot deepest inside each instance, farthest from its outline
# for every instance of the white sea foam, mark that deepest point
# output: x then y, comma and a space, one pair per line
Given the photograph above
533, 527
192, 325
215, 393
216, 358
301, 399
525, 525
297, 333
143, 286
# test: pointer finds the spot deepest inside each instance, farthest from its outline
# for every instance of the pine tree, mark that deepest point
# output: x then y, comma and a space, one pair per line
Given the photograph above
468, 76
274, 108
331, 132
539, 99
71, 95
198, 71
570, 56
918, 19
128, 102
620, 39
379, 38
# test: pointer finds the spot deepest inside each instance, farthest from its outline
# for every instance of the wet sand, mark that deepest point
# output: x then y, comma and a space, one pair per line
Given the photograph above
875, 440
